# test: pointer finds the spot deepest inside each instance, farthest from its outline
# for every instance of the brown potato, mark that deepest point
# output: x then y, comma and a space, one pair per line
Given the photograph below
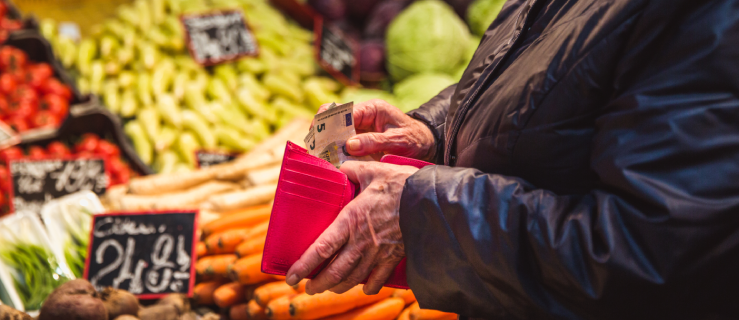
119, 302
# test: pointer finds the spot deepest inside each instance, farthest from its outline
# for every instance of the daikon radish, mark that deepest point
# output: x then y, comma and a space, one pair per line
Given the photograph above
190, 198
264, 176
166, 183
237, 169
240, 199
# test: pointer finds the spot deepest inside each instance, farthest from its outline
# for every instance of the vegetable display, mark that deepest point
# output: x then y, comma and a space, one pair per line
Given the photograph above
481, 13
138, 63
31, 96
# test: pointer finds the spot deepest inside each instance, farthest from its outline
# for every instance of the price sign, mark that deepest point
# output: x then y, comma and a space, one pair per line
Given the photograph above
8, 137
218, 37
36, 182
336, 53
209, 158
149, 254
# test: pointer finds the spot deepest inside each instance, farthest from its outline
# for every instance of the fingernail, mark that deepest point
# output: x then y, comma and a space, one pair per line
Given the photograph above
354, 144
292, 279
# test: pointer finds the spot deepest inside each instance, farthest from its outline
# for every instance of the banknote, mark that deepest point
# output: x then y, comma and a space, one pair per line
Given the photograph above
310, 139
331, 130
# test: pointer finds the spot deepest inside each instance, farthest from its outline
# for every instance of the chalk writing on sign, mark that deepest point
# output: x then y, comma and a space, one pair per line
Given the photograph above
336, 53
218, 37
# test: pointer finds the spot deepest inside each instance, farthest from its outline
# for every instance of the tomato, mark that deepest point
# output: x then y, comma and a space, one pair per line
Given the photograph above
54, 86
12, 59
10, 24
8, 83
123, 176
37, 74
114, 165
44, 119
4, 36
4, 107
18, 124
12, 153
3, 200
5, 181
88, 143
107, 149
58, 149
25, 92
85, 155
21, 109
3, 8
54, 104
36, 152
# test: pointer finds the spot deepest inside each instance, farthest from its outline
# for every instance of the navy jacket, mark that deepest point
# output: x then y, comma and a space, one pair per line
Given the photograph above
588, 167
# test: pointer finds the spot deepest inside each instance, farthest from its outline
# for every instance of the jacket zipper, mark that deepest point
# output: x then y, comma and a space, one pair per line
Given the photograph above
483, 79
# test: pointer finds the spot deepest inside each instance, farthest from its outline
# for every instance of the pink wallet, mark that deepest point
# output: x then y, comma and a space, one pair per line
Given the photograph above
310, 194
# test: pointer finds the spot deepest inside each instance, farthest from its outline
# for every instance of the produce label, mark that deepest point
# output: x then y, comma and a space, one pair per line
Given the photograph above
8, 137
218, 37
210, 158
149, 254
36, 182
336, 54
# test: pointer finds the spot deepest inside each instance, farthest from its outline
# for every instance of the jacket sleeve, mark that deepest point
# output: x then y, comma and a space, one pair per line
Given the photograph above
433, 114
659, 237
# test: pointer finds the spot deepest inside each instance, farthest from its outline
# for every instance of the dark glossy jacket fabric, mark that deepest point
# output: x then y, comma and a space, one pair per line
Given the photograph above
589, 167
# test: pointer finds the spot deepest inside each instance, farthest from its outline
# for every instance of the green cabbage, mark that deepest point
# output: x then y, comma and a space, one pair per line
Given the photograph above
481, 13
426, 37
362, 95
419, 89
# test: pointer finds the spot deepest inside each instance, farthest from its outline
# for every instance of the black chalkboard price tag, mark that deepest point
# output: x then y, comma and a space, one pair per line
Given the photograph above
149, 254
210, 158
336, 53
218, 37
36, 182
8, 137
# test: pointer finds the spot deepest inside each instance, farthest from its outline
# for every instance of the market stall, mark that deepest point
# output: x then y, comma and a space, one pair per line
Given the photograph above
167, 122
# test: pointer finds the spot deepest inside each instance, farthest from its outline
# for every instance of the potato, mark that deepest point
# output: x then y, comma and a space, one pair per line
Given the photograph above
119, 302
189, 316
73, 307
126, 317
178, 300
159, 312
8, 313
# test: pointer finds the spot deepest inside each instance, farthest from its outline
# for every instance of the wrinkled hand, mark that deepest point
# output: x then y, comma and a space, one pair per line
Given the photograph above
366, 233
383, 128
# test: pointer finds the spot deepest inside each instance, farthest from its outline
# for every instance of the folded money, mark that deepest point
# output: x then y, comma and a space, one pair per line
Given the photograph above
327, 137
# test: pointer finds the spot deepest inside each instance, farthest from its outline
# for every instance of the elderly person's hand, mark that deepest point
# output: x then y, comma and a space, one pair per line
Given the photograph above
383, 128
366, 233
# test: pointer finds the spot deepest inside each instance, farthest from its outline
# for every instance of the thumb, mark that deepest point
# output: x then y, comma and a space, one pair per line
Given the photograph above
368, 143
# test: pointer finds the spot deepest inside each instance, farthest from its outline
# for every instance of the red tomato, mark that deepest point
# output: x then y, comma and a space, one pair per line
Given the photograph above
4, 107
4, 179
54, 104
3, 8
114, 165
36, 152
56, 87
12, 153
3, 36
3, 199
37, 74
107, 149
88, 143
85, 155
18, 124
21, 109
8, 83
123, 176
45, 119
10, 24
12, 59
58, 149
25, 92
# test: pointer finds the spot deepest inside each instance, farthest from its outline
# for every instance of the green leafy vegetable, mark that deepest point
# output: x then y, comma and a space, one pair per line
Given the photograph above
427, 37
38, 273
419, 89
481, 13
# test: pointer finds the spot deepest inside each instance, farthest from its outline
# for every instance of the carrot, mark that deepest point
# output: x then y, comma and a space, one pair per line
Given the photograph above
328, 303
273, 290
255, 311
387, 309
279, 308
214, 265
426, 314
406, 314
202, 293
259, 230
200, 249
228, 294
241, 218
239, 311
225, 241
406, 295
300, 287
248, 270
